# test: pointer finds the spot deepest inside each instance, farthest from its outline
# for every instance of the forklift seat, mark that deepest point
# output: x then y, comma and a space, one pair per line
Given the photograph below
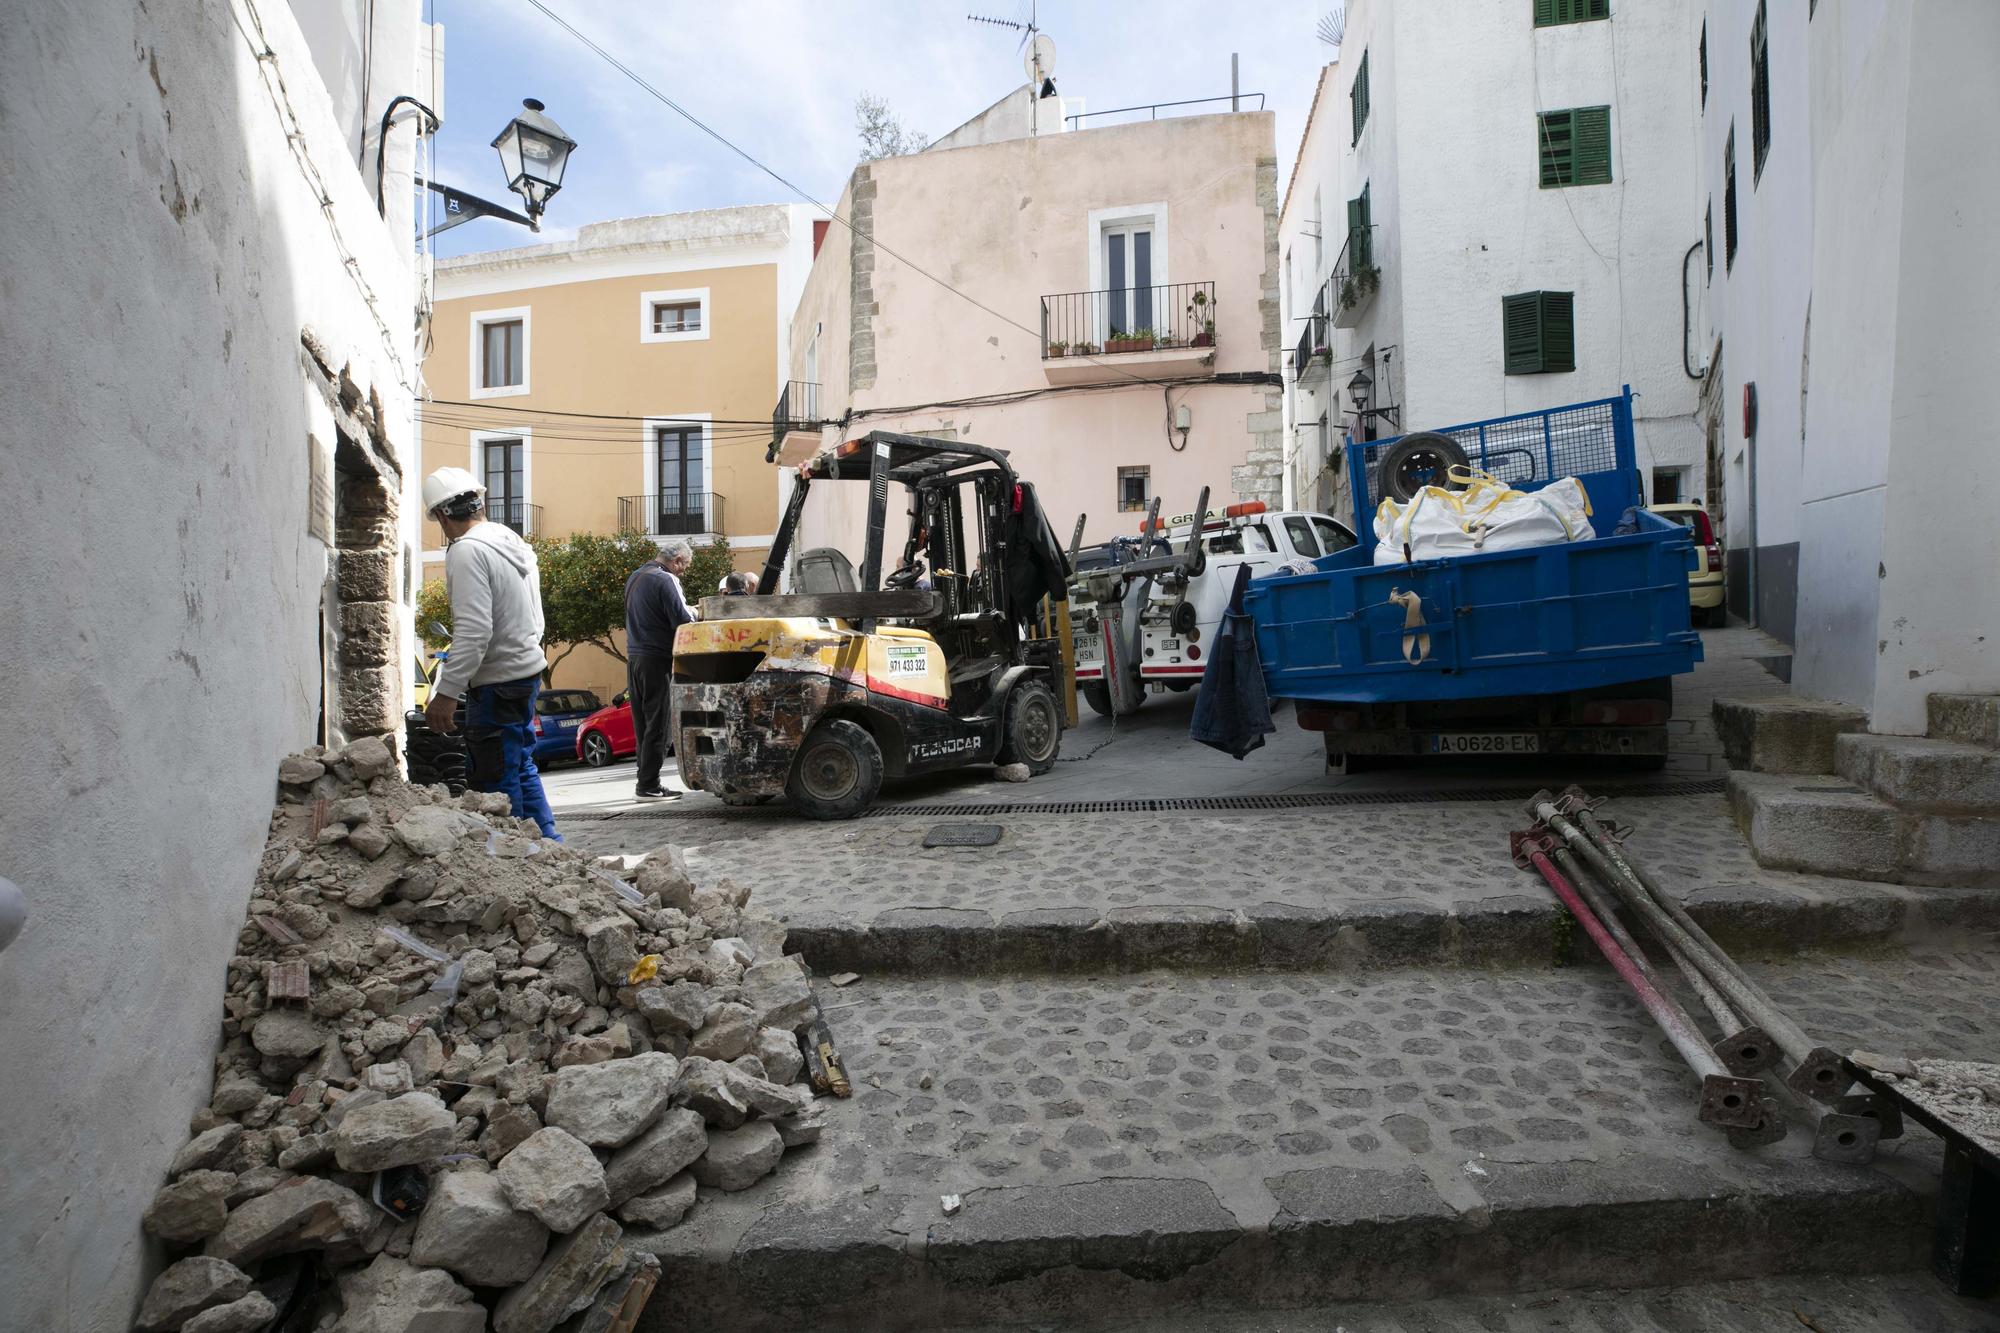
826, 569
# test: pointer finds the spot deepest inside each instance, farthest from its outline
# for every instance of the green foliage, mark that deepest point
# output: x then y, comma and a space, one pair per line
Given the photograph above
583, 588
434, 614
705, 573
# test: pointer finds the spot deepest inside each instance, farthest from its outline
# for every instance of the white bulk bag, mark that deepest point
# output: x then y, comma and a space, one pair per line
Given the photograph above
1486, 515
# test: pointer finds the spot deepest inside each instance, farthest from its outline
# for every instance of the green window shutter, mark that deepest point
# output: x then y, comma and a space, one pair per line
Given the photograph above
1554, 133
1367, 230
1357, 97
1521, 327
1558, 330
1592, 130
1551, 12
1355, 235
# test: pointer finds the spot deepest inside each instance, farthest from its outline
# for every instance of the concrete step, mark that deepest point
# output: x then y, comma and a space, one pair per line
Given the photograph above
1829, 826
1974, 718
1781, 734
1886, 1303
1172, 1144
1918, 773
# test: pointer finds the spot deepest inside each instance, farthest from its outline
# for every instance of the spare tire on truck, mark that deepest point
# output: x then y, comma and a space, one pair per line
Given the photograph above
1416, 461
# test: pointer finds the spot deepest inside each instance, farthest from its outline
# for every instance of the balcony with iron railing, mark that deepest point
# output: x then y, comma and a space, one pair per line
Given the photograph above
1106, 335
1314, 352
672, 514
524, 518
1351, 290
795, 423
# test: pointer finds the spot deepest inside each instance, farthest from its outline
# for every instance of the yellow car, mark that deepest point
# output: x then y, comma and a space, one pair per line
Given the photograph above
1705, 580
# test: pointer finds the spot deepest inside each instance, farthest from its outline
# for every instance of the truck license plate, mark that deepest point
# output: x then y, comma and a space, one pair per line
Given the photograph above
1486, 742
1170, 645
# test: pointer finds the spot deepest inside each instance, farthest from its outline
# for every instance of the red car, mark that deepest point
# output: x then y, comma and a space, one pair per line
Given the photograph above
607, 734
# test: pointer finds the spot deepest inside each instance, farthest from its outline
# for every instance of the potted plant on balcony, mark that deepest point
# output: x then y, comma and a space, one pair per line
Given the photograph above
1084, 349
1358, 286
1056, 350
1199, 316
1323, 355
1132, 340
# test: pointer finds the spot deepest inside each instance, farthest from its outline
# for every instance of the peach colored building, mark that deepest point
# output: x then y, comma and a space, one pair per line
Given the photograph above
619, 380
1102, 303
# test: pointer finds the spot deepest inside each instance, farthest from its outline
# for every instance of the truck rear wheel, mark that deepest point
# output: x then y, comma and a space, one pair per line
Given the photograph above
1032, 733
1098, 696
838, 771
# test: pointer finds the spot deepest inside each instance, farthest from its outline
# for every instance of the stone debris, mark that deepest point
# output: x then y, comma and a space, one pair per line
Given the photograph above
546, 1039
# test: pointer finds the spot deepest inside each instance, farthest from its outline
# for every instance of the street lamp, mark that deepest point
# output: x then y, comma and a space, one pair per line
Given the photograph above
533, 152
1357, 390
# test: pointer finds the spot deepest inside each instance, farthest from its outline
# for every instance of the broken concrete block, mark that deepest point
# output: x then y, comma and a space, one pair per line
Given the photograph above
608, 1104
191, 1208
295, 770
235, 1095
370, 758
309, 1151
704, 1088
424, 1053
245, 1314
307, 1214
678, 1010
662, 1207
187, 1288
763, 1096
392, 1295
575, 1268
611, 943
287, 1034
556, 1177
429, 830
779, 993
507, 1129
208, 1149
676, 1139
777, 1049
664, 875
738, 1158
764, 934
402, 1131
803, 1126
371, 840
730, 1030
606, 1311
471, 1229
391, 1079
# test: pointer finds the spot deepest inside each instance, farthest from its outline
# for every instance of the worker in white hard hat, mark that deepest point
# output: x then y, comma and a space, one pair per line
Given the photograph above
495, 664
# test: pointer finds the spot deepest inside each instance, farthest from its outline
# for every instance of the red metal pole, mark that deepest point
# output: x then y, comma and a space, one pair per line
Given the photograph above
1725, 1099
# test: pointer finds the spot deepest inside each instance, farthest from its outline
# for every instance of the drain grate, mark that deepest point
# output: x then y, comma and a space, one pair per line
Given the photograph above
1161, 805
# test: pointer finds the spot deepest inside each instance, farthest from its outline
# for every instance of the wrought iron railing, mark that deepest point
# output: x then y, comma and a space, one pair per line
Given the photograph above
1355, 277
1314, 350
519, 515
1128, 319
671, 513
797, 409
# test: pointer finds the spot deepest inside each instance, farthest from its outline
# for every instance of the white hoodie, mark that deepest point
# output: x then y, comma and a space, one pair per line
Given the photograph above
496, 610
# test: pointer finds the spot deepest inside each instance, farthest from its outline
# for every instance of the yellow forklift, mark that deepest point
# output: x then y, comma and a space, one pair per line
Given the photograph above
856, 676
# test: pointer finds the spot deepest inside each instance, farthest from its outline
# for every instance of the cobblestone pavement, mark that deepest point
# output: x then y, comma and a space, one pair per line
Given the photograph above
1903, 1303
1180, 1105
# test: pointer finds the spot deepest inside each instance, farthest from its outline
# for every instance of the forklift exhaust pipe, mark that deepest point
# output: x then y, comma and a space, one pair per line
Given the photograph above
1726, 1100
1817, 1071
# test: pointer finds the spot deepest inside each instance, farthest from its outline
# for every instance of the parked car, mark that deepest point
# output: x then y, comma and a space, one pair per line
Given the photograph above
608, 734
559, 715
1705, 581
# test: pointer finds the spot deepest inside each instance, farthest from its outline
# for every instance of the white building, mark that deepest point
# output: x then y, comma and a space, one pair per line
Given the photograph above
1850, 171
208, 519
1488, 216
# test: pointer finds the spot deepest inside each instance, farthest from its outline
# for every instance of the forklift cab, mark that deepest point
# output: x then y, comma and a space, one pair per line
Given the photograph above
860, 675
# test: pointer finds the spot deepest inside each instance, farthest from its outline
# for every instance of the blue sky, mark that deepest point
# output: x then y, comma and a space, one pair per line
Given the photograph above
779, 77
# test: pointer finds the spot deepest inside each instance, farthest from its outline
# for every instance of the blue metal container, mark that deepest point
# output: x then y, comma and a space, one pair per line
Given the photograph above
1547, 620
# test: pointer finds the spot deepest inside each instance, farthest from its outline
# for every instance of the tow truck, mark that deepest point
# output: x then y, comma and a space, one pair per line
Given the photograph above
1168, 617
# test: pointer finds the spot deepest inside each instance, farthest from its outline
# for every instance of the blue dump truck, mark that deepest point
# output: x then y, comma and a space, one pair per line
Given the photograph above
1562, 649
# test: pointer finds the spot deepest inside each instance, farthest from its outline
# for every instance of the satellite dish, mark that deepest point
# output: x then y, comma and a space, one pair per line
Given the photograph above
1038, 59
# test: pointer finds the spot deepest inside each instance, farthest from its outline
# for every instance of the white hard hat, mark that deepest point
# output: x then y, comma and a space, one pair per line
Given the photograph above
448, 483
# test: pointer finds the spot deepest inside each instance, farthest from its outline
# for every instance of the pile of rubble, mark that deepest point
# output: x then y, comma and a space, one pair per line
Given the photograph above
464, 1070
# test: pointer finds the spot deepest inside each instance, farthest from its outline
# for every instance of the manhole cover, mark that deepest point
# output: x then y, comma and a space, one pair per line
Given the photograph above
962, 835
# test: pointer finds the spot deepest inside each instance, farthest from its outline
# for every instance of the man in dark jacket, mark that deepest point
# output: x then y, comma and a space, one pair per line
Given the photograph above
655, 608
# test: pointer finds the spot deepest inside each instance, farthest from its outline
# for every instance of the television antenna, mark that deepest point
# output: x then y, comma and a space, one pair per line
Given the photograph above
1332, 26
1038, 51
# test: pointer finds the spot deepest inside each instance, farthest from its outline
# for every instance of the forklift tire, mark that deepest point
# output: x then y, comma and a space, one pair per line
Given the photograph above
1098, 696
1033, 730
838, 771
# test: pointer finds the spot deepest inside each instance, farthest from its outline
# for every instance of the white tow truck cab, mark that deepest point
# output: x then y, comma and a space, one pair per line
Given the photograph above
1171, 618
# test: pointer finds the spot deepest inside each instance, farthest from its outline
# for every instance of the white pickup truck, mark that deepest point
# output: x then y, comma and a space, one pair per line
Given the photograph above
1170, 618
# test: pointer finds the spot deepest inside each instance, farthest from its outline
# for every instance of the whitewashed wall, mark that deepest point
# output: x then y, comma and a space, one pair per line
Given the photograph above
161, 610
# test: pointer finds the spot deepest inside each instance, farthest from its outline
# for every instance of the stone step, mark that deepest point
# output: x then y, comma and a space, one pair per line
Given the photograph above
1782, 734
1918, 773
1170, 1144
1974, 718
1829, 826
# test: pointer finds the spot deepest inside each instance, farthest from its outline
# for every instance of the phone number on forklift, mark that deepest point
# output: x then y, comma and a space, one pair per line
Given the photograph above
1486, 742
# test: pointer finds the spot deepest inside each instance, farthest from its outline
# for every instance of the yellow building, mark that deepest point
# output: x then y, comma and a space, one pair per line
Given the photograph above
620, 380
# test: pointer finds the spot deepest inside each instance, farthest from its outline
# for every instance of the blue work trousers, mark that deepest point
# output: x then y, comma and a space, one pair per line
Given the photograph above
500, 747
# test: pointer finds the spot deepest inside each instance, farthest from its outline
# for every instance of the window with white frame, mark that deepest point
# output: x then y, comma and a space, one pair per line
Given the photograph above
500, 352
1128, 271
503, 463
675, 316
